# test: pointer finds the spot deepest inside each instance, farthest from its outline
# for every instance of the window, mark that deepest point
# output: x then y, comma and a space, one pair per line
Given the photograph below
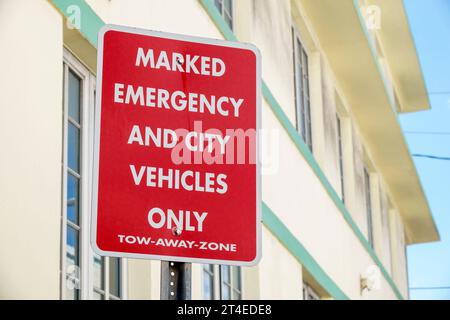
368, 199
222, 282
302, 101
99, 277
107, 287
115, 286
341, 157
73, 178
208, 282
84, 275
309, 293
230, 282
225, 8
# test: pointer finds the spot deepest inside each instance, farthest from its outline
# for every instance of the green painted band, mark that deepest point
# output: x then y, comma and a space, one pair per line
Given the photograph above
89, 22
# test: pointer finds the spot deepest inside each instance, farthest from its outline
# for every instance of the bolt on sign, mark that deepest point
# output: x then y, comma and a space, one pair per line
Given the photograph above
176, 168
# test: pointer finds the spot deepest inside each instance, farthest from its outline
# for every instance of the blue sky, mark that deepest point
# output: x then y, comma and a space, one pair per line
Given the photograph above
429, 264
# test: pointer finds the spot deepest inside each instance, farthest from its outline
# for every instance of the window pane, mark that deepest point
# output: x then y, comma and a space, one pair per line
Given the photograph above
237, 278
72, 262
72, 246
368, 207
225, 274
218, 4
72, 293
114, 277
209, 268
72, 198
208, 286
98, 272
73, 148
74, 97
98, 296
299, 89
341, 157
226, 292
227, 5
229, 21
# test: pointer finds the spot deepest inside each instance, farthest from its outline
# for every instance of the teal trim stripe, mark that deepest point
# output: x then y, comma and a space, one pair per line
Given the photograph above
218, 20
90, 23
304, 150
302, 255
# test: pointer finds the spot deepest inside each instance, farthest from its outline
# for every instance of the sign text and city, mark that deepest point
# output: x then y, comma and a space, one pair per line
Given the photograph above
176, 174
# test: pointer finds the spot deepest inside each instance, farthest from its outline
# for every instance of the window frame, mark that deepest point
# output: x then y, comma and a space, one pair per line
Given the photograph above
369, 209
224, 12
340, 141
211, 274
309, 291
302, 93
218, 284
86, 147
231, 285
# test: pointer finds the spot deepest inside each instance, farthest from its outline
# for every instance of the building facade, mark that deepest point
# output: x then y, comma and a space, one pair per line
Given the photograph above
341, 196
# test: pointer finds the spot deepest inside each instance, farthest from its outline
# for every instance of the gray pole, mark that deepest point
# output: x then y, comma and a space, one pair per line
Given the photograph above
175, 280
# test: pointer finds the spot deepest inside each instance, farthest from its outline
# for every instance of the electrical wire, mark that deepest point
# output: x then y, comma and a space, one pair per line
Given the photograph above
431, 157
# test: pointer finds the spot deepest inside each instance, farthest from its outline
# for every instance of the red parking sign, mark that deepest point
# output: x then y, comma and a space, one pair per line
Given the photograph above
176, 173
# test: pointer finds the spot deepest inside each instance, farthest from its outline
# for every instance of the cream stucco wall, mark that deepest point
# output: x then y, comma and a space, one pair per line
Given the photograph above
31, 149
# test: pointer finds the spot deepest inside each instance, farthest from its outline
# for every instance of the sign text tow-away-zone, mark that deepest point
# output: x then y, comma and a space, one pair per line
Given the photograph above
176, 165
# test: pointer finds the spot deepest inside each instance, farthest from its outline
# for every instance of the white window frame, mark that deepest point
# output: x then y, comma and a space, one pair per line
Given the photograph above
309, 292
368, 197
341, 156
222, 12
86, 254
217, 282
300, 121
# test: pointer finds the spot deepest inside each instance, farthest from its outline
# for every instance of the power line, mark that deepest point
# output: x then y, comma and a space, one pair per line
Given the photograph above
431, 157
430, 288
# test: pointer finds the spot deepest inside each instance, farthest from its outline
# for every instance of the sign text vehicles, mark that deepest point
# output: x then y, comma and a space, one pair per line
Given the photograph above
173, 112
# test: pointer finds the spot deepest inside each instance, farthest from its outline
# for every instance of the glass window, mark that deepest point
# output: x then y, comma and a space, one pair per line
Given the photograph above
236, 283
368, 199
73, 147
225, 8
97, 296
104, 274
225, 284
99, 277
73, 177
226, 278
302, 99
208, 281
230, 282
114, 278
72, 198
72, 263
341, 157
74, 96
309, 293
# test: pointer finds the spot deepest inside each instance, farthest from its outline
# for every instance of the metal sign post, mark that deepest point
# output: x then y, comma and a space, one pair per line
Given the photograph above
175, 280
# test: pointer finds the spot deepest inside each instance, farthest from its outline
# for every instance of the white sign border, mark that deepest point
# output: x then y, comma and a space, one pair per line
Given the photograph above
97, 123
